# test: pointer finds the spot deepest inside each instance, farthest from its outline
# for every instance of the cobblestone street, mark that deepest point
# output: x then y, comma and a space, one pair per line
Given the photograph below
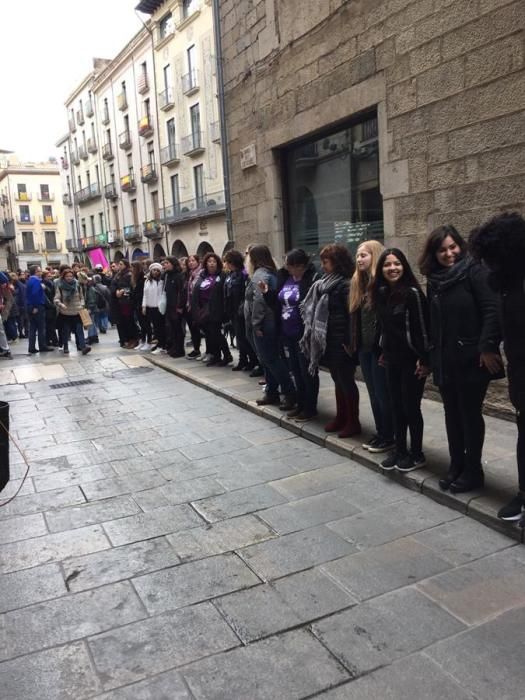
170, 545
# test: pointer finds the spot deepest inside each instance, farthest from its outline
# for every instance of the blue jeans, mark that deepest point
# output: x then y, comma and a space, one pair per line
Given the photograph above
376, 384
11, 328
73, 324
275, 369
37, 325
307, 385
101, 320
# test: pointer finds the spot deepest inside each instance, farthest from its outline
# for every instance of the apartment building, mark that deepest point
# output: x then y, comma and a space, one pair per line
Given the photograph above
188, 124
32, 214
7, 225
143, 172
376, 119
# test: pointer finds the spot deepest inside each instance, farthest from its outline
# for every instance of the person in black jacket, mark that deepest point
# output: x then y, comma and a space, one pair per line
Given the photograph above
208, 309
137, 292
402, 314
234, 289
326, 339
500, 244
122, 308
465, 337
175, 300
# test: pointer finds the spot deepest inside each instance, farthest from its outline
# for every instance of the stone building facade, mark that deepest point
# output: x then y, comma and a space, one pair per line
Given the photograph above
433, 90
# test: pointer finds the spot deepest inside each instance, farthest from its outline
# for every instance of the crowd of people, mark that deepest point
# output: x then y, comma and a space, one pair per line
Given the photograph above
288, 322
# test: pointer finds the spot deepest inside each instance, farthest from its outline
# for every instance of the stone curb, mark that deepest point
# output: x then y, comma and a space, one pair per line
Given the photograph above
422, 480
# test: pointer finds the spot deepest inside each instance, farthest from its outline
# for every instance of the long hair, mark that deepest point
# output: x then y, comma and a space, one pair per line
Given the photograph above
340, 257
174, 261
137, 273
380, 290
260, 256
362, 281
234, 258
428, 262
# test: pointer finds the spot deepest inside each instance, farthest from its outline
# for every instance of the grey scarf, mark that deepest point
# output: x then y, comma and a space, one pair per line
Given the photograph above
314, 311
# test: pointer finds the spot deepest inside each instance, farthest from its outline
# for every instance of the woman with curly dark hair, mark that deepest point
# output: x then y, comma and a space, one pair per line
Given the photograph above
465, 337
500, 244
326, 338
402, 313
234, 292
208, 309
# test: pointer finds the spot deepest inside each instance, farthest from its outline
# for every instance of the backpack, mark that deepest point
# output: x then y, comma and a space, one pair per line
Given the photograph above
101, 301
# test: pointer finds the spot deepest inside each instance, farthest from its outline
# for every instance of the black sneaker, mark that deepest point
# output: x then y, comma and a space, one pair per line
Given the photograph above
268, 400
381, 446
6, 354
373, 441
193, 355
390, 462
514, 509
409, 463
304, 417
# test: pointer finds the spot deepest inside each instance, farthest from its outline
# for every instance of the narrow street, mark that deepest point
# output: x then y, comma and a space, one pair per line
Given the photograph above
170, 545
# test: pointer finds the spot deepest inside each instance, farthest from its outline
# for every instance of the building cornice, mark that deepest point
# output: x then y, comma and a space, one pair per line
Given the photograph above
80, 88
137, 42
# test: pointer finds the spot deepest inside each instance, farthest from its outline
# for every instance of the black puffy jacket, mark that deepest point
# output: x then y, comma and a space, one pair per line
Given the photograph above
338, 331
514, 339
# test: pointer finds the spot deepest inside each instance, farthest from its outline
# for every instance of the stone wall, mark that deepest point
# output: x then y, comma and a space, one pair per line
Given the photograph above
447, 78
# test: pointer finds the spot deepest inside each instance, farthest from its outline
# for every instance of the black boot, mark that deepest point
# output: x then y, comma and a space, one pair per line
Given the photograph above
469, 480
451, 476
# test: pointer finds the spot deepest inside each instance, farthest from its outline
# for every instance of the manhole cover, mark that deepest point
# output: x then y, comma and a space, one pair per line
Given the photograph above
75, 382
126, 373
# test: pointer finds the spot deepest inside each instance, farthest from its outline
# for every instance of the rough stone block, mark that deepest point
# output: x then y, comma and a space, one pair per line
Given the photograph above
494, 61
425, 57
440, 82
446, 174
363, 66
402, 97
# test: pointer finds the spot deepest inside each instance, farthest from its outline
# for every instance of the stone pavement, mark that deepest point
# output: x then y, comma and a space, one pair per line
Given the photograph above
170, 545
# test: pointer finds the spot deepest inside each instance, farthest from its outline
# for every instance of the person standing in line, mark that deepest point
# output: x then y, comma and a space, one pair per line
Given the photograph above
194, 271
51, 310
326, 340
5, 297
155, 323
402, 312
500, 244
174, 289
20, 294
69, 300
365, 342
208, 309
122, 308
91, 305
138, 279
261, 329
465, 335
36, 306
234, 292
103, 299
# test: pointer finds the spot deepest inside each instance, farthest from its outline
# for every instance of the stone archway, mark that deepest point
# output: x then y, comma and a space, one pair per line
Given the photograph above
119, 255
179, 250
204, 248
227, 247
158, 252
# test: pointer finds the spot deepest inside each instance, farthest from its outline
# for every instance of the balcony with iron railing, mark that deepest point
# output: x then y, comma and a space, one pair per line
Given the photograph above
110, 191
107, 152
199, 207
88, 193
92, 145
89, 108
72, 125
169, 155
215, 132
105, 116
82, 152
30, 248
190, 82
73, 246
7, 230
50, 219
99, 240
143, 84
148, 173
146, 126
66, 199
124, 140
152, 229
193, 144
64, 163
75, 157
23, 196
163, 35
115, 237
25, 219
53, 248
80, 117
122, 101
127, 183
132, 234
166, 100
46, 197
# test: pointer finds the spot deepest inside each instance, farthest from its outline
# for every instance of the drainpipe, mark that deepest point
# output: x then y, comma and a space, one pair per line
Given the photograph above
222, 117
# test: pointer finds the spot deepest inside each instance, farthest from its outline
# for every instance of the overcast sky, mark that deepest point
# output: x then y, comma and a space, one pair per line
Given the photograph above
47, 49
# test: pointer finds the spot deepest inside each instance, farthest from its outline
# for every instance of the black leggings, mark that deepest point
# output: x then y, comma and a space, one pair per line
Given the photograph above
215, 341
406, 392
156, 321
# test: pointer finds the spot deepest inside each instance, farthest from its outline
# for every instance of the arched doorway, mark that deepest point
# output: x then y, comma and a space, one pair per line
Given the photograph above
118, 256
76, 259
204, 248
179, 250
139, 254
227, 247
158, 252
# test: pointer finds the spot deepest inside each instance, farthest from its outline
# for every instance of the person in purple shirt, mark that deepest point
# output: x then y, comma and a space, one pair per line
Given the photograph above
36, 309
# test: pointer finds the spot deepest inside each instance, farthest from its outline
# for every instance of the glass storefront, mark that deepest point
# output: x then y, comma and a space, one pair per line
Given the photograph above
333, 188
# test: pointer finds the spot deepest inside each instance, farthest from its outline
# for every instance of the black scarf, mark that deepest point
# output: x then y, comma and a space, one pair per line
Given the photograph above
447, 277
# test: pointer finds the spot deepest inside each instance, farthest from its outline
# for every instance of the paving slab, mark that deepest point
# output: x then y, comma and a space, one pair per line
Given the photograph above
70, 477
118, 486
54, 674
295, 552
117, 563
161, 521
28, 586
299, 664
90, 513
68, 618
23, 527
158, 644
179, 586
239, 502
166, 686
307, 512
385, 629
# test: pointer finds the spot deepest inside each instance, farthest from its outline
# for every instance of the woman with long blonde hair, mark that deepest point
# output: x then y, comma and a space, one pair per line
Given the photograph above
365, 340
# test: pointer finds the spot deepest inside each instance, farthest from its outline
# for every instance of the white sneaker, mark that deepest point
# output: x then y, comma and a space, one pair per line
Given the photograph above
140, 347
163, 351
157, 351
146, 347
